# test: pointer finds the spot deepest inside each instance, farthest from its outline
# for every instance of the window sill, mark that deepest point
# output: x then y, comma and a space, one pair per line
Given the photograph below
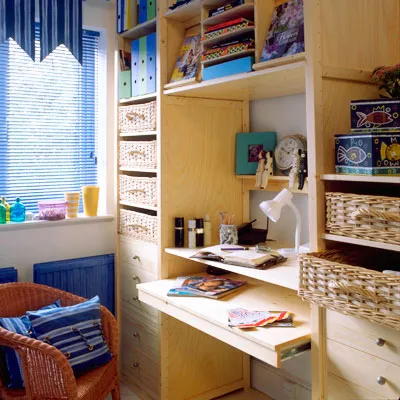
16, 226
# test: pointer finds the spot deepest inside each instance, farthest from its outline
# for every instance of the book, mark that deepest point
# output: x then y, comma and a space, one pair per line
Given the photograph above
188, 61
231, 48
286, 32
245, 319
208, 286
225, 28
225, 7
240, 256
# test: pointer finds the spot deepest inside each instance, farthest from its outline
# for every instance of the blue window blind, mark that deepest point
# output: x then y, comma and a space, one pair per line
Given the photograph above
48, 122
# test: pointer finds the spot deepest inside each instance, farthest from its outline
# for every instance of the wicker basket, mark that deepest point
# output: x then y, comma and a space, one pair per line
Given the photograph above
138, 190
138, 154
374, 218
138, 117
139, 226
350, 290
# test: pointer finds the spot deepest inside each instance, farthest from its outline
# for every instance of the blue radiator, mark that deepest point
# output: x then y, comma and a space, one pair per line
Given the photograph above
9, 274
86, 277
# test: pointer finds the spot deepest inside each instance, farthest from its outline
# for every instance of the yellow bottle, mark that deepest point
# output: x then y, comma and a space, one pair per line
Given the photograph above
7, 206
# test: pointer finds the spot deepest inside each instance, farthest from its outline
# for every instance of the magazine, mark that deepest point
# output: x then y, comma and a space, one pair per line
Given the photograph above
200, 286
245, 319
188, 61
286, 32
240, 256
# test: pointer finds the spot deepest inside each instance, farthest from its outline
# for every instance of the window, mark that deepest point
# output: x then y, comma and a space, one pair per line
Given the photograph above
48, 121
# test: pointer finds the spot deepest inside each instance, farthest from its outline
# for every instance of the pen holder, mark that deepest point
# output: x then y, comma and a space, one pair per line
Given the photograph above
228, 234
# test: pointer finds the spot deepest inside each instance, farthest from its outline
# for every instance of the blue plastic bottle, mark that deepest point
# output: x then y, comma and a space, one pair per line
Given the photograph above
17, 211
3, 214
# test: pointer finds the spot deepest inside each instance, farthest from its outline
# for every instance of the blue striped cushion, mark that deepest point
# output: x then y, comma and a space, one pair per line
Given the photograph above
20, 325
76, 332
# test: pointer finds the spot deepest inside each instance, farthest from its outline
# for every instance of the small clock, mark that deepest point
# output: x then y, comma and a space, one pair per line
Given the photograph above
285, 149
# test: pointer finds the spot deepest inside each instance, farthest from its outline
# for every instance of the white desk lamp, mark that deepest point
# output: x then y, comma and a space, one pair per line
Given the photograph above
272, 209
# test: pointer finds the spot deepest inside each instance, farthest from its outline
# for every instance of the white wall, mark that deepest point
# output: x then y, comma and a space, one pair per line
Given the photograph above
22, 248
286, 116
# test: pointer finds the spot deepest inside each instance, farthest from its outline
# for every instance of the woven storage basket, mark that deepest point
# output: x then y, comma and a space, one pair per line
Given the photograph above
138, 154
138, 190
138, 117
139, 226
350, 290
374, 218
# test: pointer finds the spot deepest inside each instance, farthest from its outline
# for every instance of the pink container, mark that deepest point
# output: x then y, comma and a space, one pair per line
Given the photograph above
52, 210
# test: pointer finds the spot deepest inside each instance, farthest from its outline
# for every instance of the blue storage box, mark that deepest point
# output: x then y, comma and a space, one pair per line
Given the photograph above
373, 154
380, 115
233, 67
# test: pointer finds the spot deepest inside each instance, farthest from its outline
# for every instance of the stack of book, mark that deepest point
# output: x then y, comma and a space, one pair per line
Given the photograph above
200, 286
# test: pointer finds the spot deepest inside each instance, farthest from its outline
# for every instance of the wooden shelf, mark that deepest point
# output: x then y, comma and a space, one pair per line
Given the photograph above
276, 81
247, 394
133, 134
229, 35
275, 184
361, 178
285, 275
361, 242
228, 57
139, 99
270, 345
243, 11
137, 205
191, 10
140, 30
128, 169
279, 61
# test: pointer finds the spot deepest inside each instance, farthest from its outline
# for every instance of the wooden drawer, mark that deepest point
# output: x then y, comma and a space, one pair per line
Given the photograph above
139, 254
362, 335
140, 371
130, 277
139, 310
140, 336
363, 369
340, 389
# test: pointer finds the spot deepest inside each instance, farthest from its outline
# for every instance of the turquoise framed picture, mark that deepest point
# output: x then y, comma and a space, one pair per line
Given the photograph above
248, 147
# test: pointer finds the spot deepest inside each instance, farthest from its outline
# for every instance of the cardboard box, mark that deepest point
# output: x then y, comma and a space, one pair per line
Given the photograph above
125, 89
237, 66
368, 154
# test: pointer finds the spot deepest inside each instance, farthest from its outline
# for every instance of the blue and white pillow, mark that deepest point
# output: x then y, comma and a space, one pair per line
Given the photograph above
21, 325
76, 332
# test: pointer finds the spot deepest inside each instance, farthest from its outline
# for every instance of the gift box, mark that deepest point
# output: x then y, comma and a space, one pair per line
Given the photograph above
380, 115
368, 154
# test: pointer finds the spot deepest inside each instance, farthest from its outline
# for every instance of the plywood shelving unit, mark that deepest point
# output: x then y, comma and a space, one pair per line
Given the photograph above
196, 129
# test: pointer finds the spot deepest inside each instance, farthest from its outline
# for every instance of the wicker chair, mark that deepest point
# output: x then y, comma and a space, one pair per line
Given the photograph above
47, 373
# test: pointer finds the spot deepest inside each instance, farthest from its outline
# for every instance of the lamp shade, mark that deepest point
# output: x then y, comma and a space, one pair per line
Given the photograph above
272, 208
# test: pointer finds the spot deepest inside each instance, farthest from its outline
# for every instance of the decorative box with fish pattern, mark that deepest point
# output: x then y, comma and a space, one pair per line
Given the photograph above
380, 115
374, 154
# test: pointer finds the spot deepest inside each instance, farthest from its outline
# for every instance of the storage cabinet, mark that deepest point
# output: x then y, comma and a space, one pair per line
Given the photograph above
195, 133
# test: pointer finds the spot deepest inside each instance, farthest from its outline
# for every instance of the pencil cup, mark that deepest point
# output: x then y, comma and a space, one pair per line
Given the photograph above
72, 200
90, 200
228, 234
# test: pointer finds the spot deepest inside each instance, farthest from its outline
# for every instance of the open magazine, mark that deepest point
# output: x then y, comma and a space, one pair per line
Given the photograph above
240, 256
245, 319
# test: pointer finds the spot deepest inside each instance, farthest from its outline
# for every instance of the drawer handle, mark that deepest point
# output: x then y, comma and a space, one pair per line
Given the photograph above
136, 258
135, 365
136, 278
140, 153
380, 342
346, 288
381, 380
134, 115
370, 212
136, 335
137, 226
135, 298
136, 191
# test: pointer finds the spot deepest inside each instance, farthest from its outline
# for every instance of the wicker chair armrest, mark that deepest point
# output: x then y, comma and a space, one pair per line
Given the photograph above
110, 330
47, 373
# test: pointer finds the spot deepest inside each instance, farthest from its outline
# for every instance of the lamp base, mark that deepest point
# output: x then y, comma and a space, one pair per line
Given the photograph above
288, 252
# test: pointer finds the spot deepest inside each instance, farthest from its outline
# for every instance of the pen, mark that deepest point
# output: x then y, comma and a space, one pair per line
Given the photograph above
234, 248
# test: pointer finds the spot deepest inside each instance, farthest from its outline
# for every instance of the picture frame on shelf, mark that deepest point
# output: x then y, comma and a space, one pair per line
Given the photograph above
248, 147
